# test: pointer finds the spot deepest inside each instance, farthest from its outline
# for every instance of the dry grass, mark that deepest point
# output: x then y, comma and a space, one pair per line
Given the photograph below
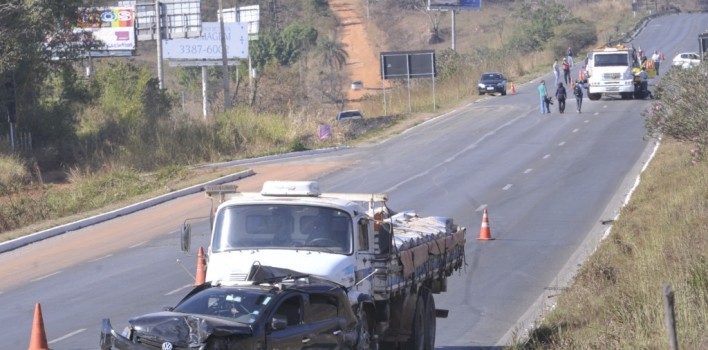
660, 238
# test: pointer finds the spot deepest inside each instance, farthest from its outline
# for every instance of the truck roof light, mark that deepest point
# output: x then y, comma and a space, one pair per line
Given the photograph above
291, 188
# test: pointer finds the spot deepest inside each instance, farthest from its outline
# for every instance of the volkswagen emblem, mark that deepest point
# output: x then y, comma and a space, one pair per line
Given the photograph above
166, 346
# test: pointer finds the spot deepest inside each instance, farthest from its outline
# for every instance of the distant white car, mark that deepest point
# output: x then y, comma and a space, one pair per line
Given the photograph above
686, 60
357, 85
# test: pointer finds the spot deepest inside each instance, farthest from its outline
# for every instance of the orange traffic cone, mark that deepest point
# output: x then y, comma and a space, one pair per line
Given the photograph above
485, 233
38, 339
572, 84
513, 90
201, 268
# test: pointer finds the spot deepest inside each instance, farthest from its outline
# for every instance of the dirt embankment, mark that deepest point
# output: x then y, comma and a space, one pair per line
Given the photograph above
363, 61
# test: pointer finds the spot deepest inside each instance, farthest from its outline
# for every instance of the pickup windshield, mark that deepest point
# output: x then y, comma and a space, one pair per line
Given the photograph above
261, 226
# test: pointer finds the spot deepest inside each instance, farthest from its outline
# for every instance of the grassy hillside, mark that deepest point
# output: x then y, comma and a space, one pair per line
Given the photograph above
661, 238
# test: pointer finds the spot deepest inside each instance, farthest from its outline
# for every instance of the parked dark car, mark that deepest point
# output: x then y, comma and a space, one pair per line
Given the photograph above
349, 115
293, 312
492, 82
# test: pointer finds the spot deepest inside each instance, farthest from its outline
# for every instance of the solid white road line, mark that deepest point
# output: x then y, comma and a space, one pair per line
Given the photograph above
101, 258
179, 289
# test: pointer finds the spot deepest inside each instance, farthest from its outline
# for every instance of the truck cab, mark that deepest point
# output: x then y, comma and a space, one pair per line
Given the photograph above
610, 72
292, 224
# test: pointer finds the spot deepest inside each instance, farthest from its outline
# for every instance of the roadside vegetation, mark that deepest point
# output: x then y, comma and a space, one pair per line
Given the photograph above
89, 143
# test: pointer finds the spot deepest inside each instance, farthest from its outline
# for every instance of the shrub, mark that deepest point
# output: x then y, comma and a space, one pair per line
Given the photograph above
681, 110
12, 173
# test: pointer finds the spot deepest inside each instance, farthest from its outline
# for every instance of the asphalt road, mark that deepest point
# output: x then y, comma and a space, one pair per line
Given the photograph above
546, 179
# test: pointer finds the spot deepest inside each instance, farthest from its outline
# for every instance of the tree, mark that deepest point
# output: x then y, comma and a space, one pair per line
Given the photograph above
333, 53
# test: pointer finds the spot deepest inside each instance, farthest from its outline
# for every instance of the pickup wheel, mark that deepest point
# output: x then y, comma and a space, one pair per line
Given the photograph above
418, 326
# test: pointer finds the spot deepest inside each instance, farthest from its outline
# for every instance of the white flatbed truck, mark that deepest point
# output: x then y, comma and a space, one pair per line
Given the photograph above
390, 263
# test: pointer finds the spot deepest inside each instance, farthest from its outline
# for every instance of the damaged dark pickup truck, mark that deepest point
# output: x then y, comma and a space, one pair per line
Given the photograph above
298, 312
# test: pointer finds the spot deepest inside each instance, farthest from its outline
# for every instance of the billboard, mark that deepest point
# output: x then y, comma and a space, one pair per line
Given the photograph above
245, 14
454, 4
208, 46
407, 64
178, 18
113, 26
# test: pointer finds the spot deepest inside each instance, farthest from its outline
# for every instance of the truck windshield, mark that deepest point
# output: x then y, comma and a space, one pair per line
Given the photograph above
611, 60
261, 226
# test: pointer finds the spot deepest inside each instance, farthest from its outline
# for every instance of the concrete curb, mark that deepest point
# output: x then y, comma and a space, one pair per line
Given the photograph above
73, 226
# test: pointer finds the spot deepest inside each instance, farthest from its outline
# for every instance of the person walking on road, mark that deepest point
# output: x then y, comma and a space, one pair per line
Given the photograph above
543, 94
569, 56
556, 71
566, 71
657, 59
560, 96
578, 92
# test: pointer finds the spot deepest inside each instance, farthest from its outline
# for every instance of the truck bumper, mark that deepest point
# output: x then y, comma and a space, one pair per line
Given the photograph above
625, 86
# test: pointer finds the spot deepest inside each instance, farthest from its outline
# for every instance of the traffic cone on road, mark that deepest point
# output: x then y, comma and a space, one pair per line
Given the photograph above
200, 277
485, 233
38, 338
513, 90
572, 84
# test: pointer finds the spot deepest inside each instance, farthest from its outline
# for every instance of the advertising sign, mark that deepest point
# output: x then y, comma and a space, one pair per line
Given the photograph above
245, 14
114, 26
208, 46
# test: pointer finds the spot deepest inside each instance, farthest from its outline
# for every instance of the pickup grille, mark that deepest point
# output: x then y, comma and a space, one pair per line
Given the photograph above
612, 76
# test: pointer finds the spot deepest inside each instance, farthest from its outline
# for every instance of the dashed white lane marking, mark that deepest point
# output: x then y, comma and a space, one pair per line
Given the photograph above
605, 106
546, 156
596, 113
528, 171
67, 336
138, 244
576, 130
481, 207
179, 289
586, 121
45, 276
101, 258
562, 143
508, 186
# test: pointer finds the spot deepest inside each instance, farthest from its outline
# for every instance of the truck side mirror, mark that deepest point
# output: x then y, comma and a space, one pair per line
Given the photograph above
186, 237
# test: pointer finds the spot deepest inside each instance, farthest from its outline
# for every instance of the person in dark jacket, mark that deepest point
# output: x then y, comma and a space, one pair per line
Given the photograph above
560, 95
578, 92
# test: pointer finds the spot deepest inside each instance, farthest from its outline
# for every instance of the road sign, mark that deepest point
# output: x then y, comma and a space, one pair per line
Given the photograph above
407, 64
454, 5
208, 46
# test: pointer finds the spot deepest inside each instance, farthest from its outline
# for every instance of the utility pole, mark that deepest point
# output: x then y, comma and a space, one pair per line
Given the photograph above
225, 64
158, 42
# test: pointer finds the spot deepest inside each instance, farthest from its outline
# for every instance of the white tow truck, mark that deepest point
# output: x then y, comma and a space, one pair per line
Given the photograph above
613, 71
390, 263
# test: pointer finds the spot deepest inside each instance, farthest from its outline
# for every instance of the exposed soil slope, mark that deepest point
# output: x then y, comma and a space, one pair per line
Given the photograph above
363, 62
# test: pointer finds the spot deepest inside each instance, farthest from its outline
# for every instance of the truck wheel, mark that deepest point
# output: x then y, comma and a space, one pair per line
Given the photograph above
417, 338
430, 321
594, 97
